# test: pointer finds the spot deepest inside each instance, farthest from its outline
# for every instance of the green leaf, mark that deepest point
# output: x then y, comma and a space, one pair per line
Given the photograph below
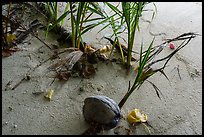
66, 9
59, 19
141, 66
114, 8
87, 28
55, 10
104, 21
95, 11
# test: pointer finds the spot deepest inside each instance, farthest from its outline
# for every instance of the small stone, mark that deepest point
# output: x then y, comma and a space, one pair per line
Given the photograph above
15, 126
6, 123
183, 95
81, 89
98, 88
10, 108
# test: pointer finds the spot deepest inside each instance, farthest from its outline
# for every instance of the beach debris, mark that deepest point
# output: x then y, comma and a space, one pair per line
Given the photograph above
10, 108
15, 126
121, 130
124, 48
48, 95
10, 51
10, 38
31, 28
88, 70
171, 45
37, 93
136, 116
101, 110
7, 87
105, 49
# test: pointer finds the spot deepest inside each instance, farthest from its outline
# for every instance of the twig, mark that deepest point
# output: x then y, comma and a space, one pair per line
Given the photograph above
17, 84
36, 36
178, 72
147, 128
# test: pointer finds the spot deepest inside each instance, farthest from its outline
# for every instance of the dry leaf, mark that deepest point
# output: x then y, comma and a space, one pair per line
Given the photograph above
104, 49
10, 38
69, 61
88, 70
9, 52
63, 75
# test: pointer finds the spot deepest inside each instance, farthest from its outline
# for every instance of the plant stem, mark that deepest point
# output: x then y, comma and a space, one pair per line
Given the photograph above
73, 27
81, 23
124, 99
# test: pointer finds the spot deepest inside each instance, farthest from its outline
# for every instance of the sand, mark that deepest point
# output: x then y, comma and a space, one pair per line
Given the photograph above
178, 112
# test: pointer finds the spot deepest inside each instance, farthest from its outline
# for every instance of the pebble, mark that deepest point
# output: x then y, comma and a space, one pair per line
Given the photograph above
15, 126
81, 89
98, 88
183, 95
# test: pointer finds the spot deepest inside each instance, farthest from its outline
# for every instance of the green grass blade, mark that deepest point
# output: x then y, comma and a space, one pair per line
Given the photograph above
59, 19
147, 54
96, 11
87, 28
55, 10
141, 53
110, 22
94, 19
141, 67
48, 29
50, 10
114, 8
72, 24
66, 9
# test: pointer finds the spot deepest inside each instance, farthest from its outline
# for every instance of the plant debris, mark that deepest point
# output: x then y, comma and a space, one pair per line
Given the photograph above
37, 93
136, 116
171, 45
124, 48
48, 95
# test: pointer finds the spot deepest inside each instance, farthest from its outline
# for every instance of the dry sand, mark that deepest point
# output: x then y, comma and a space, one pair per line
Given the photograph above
178, 112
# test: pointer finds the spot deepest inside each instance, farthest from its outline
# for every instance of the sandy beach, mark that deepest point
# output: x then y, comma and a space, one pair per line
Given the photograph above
179, 112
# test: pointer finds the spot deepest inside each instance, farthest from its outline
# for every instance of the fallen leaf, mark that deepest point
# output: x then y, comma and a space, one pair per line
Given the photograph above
9, 52
49, 94
10, 38
136, 116
88, 70
63, 75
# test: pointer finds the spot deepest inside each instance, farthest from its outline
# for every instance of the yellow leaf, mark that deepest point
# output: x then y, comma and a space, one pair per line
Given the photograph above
136, 116
49, 94
10, 38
